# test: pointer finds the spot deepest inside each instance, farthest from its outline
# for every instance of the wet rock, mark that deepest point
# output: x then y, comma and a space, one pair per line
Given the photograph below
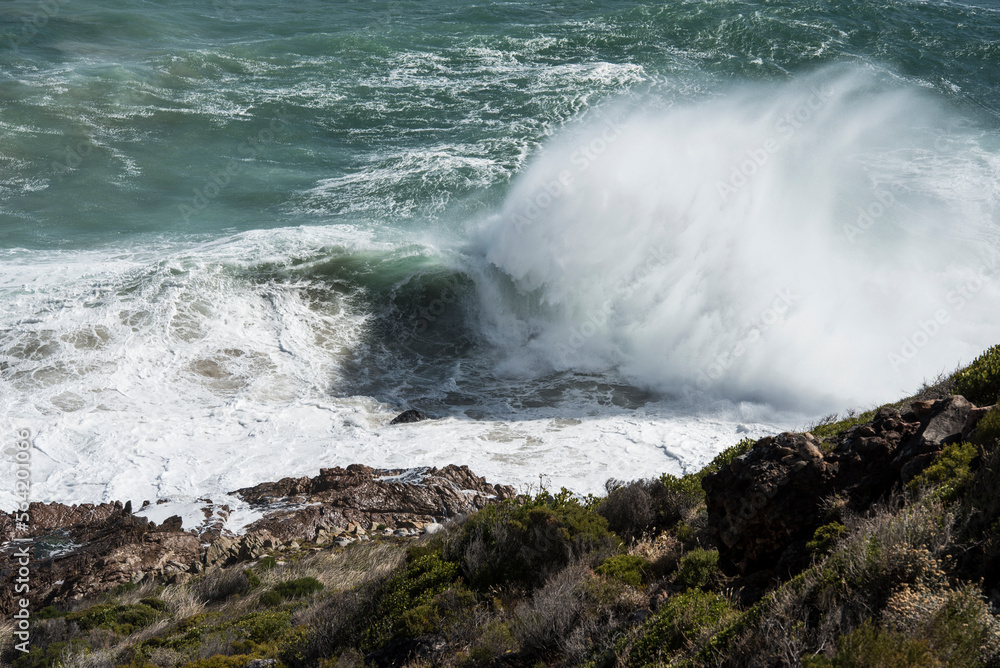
408, 416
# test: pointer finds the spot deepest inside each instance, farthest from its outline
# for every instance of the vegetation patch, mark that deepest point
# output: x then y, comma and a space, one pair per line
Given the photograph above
825, 537
980, 381
122, 619
291, 589
987, 434
625, 567
949, 472
697, 567
524, 542
686, 618
830, 426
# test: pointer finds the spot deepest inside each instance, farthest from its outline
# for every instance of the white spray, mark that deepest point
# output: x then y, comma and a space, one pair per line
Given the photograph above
824, 243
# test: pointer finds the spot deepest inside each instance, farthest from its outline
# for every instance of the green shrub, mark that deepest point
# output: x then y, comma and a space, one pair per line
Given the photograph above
298, 588
987, 432
649, 506
123, 588
271, 598
50, 612
418, 584
831, 426
980, 381
522, 542
252, 580
49, 655
220, 661
685, 619
949, 472
960, 629
263, 627
697, 567
825, 537
685, 533
871, 647
267, 563
122, 619
495, 640
627, 568
155, 603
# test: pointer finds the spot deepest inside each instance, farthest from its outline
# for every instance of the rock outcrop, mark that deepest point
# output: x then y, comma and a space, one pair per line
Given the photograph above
409, 416
79, 551
86, 549
766, 504
299, 508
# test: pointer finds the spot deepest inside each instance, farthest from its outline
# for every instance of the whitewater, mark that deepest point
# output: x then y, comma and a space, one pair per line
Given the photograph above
584, 257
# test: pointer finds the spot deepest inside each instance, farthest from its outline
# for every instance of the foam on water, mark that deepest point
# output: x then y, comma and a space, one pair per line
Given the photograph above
161, 372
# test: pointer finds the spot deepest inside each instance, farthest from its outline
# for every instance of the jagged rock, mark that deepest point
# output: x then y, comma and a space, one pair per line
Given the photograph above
408, 416
766, 504
219, 551
362, 496
105, 545
261, 663
109, 547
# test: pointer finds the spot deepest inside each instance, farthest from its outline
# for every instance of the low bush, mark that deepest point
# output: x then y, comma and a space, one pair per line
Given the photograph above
871, 647
221, 661
628, 507
50, 654
220, 584
122, 619
949, 472
650, 506
684, 622
629, 569
987, 434
523, 542
697, 567
298, 588
825, 537
980, 381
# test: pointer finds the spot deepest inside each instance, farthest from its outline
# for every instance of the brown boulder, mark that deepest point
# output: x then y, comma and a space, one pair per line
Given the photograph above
362, 495
766, 504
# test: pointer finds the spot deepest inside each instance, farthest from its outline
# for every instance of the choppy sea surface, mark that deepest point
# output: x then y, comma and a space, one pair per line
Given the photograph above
591, 239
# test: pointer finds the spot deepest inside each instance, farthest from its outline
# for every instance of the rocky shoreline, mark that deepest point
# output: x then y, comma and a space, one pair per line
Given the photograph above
84, 550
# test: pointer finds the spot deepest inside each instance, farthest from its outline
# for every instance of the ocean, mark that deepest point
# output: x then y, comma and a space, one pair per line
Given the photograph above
590, 239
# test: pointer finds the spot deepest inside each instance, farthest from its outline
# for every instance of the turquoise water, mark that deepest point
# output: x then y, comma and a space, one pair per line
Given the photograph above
396, 114
740, 212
